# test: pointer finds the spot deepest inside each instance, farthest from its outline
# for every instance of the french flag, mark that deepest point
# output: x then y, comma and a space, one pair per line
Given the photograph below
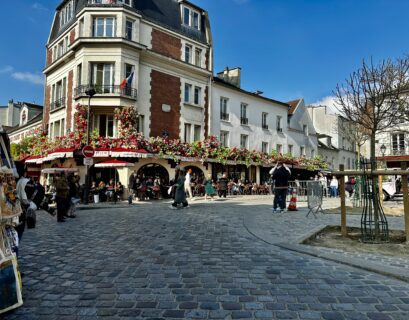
127, 81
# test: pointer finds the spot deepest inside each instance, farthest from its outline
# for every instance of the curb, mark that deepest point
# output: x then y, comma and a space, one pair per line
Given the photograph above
352, 262
297, 246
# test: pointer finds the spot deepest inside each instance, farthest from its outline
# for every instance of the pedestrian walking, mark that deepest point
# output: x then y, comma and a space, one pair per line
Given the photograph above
180, 195
209, 189
132, 186
188, 184
61, 197
281, 174
222, 186
334, 187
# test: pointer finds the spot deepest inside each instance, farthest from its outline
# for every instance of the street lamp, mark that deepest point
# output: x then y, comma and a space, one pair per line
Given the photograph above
90, 93
383, 149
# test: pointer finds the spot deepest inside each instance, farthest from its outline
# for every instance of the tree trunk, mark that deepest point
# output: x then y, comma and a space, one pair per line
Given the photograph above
375, 189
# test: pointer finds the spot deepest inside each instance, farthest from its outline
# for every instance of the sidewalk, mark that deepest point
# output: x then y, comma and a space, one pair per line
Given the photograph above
288, 230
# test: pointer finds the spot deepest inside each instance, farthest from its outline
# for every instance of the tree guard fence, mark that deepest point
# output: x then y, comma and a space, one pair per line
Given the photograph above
374, 225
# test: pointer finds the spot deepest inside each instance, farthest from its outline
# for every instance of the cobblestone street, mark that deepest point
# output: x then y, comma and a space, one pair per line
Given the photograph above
214, 260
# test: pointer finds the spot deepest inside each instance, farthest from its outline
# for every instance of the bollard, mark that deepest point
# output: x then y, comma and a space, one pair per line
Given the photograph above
343, 207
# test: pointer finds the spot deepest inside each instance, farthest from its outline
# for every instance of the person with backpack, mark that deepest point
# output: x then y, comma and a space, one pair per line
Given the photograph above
222, 186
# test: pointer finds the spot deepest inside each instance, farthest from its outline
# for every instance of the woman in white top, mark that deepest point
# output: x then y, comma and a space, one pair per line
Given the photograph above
334, 187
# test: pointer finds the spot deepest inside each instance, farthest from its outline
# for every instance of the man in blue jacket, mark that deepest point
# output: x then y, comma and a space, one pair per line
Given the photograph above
281, 174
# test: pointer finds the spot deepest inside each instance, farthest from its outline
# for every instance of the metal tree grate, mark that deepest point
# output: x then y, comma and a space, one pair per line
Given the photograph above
374, 228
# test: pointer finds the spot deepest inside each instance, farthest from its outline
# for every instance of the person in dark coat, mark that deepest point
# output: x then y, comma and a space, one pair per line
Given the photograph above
180, 195
222, 186
280, 174
62, 192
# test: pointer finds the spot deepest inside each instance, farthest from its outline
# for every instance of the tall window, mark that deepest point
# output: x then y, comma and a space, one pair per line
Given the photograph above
104, 27
244, 140
290, 149
79, 74
302, 151
140, 123
188, 92
279, 127
264, 147
279, 148
128, 29
197, 132
198, 57
188, 128
188, 53
66, 13
198, 91
313, 154
106, 125
224, 138
191, 18
305, 129
398, 143
223, 109
243, 114
58, 94
102, 77
264, 120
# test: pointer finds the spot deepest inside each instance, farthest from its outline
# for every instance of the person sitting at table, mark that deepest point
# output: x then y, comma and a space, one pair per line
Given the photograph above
101, 190
119, 191
110, 189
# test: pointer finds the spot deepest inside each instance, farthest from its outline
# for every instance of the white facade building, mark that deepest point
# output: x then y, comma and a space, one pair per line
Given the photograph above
337, 143
302, 137
245, 119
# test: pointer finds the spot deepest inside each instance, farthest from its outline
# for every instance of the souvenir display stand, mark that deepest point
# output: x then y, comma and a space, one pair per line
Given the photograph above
10, 210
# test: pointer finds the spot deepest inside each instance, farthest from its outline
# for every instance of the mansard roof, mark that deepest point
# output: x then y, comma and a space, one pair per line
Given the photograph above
293, 104
165, 13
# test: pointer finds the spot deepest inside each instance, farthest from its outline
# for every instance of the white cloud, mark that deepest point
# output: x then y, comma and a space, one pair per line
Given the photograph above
6, 69
328, 101
39, 7
33, 78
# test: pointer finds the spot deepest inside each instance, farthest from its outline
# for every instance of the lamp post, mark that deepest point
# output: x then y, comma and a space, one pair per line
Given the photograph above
383, 150
90, 93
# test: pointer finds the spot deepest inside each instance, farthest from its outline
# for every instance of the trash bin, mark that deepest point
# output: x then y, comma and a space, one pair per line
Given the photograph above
96, 198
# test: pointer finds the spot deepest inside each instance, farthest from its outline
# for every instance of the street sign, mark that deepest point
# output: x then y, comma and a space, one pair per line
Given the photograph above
88, 151
88, 161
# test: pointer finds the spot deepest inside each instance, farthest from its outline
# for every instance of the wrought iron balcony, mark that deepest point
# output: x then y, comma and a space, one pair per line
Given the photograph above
106, 2
398, 152
107, 90
57, 104
244, 121
224, 116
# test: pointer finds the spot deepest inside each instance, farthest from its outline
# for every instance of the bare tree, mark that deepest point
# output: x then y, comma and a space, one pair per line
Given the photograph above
373, 98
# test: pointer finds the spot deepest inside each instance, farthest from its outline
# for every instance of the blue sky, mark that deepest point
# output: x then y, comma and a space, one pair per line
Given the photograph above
286, 48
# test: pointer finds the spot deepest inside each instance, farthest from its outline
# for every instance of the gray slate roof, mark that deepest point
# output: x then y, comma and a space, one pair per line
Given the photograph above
165, 13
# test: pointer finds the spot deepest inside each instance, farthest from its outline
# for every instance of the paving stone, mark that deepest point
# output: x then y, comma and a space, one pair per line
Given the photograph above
199, 263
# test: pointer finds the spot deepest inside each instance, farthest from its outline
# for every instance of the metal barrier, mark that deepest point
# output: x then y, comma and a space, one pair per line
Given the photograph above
314, 197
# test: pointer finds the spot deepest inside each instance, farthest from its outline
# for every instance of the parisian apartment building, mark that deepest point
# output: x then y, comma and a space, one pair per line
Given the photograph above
165, 47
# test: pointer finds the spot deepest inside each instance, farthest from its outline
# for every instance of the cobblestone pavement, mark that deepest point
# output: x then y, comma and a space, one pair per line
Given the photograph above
150, 262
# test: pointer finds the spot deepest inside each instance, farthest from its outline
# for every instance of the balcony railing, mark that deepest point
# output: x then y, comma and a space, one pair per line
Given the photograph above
57, 104
108, 89
224, 116
244, 121
105, 2
398, 152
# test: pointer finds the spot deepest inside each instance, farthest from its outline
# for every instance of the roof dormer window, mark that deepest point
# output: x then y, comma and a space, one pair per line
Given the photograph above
67, 13
190, 18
